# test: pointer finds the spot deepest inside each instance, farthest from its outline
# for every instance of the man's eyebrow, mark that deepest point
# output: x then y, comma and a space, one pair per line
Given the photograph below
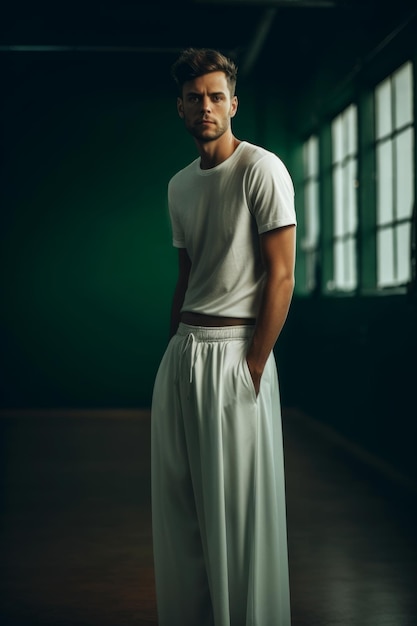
212, 93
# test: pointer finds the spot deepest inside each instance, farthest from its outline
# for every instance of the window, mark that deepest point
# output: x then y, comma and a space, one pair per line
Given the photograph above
395, 176
309, 244
344, 175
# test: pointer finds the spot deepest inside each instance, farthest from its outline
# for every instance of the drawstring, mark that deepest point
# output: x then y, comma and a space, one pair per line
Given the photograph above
191, 340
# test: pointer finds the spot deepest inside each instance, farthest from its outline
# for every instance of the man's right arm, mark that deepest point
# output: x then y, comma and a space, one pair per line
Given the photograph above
184, 268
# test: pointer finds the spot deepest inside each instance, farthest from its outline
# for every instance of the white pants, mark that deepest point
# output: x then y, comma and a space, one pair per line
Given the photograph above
218, 496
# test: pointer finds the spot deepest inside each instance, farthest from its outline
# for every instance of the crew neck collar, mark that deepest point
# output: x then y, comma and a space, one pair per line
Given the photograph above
216, 168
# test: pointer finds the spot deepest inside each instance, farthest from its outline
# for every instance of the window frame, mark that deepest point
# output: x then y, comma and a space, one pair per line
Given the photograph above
388, 139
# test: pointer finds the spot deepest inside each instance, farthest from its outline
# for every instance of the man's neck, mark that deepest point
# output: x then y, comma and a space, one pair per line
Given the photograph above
213, 153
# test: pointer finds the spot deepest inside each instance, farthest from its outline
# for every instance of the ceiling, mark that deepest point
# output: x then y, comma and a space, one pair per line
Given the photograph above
287, 37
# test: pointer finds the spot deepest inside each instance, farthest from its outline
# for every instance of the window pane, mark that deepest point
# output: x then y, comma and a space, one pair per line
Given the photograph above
350, 257
385, 250
404, 174
402, 82
385, 211
403, 241
315, 219
344, 142
311, 214
313, 156
338, 200
351, 128
314, 148
339, 264
311, 209
337, 139
306, 161
383, 109
311, 269
350, 182
345, 264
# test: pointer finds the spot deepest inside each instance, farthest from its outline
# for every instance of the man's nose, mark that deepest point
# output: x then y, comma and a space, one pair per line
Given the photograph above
206, 103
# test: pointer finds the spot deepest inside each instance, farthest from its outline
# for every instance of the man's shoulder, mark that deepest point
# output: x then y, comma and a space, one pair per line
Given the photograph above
184, 173
255, 155
266, 170
254, 150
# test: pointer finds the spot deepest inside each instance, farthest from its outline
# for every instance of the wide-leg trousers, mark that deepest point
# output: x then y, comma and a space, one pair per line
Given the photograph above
218, 495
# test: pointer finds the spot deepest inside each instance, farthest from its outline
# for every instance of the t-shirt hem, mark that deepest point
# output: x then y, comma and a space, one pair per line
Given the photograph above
277, 224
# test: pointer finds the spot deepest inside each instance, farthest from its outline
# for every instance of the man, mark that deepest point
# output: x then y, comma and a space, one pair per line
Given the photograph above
218, 499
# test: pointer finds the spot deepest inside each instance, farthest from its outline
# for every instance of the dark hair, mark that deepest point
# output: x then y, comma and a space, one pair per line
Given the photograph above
194, 62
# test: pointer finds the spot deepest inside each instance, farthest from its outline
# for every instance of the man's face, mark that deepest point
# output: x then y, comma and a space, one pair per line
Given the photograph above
206, 106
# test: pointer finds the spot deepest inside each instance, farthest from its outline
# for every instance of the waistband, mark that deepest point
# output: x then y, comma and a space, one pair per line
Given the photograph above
215, 333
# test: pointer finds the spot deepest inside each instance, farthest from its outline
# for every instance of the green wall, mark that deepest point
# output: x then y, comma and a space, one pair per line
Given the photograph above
88, 266
88, 146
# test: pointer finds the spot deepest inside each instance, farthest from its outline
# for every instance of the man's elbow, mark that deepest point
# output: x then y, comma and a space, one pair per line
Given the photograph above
289, 283
283, 279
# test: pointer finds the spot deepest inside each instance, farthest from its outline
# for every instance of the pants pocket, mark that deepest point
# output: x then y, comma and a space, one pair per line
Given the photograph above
248, 378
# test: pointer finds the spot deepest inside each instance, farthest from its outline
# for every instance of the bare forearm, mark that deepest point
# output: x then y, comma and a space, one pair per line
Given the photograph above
278, 254
270, 321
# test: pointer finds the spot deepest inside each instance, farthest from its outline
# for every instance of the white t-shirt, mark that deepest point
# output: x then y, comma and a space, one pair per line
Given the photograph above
217, 215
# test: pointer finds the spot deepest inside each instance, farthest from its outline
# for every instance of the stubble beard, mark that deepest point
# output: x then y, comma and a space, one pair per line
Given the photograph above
206, 135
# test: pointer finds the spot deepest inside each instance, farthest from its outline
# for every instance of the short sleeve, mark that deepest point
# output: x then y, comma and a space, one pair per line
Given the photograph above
271, 194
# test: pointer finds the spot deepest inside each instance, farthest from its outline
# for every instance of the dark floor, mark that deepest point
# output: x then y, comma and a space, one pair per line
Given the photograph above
75, 537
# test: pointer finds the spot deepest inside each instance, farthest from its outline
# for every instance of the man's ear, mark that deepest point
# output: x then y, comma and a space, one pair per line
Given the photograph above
180, 107
233, 106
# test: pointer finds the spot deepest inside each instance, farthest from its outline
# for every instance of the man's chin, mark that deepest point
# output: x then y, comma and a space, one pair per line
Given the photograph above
204, 136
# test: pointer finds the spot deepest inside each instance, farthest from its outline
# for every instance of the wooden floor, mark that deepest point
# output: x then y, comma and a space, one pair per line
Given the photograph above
75, 536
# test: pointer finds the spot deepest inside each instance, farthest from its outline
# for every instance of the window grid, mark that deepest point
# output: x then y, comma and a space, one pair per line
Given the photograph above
344, 175
395, 176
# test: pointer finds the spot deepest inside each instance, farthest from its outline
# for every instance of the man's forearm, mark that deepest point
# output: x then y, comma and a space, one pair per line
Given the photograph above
271, 318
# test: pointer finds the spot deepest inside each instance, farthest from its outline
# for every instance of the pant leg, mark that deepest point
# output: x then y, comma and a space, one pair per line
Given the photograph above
183, 597
239, 473
269, 601
228, 526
